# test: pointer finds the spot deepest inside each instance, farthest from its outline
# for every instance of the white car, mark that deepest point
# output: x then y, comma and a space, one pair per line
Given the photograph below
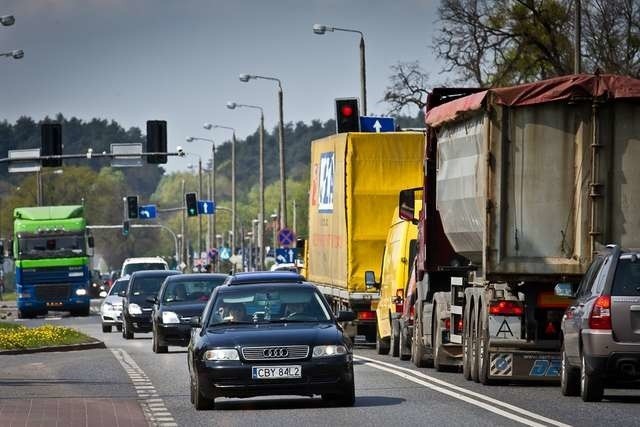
111, 308
131, 265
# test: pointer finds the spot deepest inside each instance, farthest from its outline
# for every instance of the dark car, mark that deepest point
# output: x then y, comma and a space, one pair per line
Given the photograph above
180, 298
136, 307
600, 331
273, 338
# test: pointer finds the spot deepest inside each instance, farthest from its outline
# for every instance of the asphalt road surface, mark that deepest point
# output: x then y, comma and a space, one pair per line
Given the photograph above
388, 391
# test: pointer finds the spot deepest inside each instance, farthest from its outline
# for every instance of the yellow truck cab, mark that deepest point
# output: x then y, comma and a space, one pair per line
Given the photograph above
399, 250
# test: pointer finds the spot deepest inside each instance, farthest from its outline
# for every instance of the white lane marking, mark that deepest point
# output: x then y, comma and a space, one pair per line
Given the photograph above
153, 407
471, 393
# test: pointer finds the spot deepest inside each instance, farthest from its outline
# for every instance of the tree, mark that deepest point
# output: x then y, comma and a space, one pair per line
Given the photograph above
408, 87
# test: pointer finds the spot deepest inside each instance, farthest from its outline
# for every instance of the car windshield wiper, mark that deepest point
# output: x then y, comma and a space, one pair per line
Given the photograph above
285, 320
230, 322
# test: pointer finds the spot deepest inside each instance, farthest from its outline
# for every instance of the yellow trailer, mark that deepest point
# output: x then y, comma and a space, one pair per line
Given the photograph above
355, 181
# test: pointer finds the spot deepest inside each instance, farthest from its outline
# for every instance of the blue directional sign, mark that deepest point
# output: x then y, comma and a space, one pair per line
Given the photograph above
286, 237
377, 124
225, 253
206, 207
286, 255
147, 212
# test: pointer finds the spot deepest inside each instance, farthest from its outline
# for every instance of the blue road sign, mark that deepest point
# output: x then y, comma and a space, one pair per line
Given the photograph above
147, 212
377, 124
206, 207
286, 237
286, 255
225, 253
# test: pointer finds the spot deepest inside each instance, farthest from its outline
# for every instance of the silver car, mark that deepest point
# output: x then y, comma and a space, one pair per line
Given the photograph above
601, 329
111, 308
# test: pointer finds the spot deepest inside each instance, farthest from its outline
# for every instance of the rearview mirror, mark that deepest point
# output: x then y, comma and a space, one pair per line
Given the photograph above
346, 316
90, 241
122, 293
370, 280
103, 294
564, 290
406, 204
195, 322
152, 299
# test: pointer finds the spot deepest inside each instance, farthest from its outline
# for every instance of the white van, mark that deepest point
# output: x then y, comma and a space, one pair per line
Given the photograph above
131, 265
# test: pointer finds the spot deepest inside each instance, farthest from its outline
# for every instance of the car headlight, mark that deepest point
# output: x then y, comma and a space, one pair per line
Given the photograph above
134, 309
81, 292
170, 317
107, 305
329, 350
222, 354
25, 295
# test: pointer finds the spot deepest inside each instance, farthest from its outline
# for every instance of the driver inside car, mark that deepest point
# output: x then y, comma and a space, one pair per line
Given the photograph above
233, 312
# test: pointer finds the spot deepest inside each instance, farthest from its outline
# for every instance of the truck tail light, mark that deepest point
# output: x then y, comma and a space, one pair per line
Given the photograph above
459, 325
600, 317
366, 315
399, 300
506, 308
447, 324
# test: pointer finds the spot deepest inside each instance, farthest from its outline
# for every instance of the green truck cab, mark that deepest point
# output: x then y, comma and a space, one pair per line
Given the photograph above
51, 248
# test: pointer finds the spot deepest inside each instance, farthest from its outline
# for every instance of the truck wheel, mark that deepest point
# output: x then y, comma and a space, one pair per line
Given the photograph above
466, 352
569, 378
382, 344
394, 341
474, 349
417, 349
483, 356
405, 346
437, 341
591, 388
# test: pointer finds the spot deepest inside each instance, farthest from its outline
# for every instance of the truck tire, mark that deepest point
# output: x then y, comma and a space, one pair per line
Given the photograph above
483, 356
437, 340
382, 344
569, 377
405, 346
474, 348
466, 350
394, 341
591, 387
417, 349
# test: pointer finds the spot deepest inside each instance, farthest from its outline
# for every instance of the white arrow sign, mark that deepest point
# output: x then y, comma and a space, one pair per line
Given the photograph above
281, 259
144, 213
377, 126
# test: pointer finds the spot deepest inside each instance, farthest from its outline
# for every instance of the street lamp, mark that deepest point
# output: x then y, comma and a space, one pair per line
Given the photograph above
283, 179
211, 222
7, 20
232, 106
210, 126
322, 29
15, 54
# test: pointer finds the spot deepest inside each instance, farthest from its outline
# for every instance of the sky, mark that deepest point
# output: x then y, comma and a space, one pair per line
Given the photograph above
179, 60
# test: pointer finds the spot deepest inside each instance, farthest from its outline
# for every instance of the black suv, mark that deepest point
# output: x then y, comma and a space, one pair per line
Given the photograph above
138, 300
601, 329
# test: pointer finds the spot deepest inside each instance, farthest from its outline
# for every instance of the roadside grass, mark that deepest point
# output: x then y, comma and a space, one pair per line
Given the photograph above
8, 296
16, 337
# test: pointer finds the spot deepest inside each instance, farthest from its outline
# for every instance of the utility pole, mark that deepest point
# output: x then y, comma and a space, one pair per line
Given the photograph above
577, 60
200, 193
294, 217
183, 228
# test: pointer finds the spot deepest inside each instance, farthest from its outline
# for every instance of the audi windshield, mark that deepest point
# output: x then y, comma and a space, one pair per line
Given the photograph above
268, 304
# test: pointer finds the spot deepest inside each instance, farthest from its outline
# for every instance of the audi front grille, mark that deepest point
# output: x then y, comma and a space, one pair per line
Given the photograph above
283, 352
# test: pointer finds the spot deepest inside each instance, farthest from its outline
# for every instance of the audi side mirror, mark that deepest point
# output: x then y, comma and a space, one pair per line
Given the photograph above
346, 316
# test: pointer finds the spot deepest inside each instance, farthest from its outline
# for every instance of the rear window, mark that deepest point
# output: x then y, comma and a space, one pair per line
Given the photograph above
627, 279
132, 268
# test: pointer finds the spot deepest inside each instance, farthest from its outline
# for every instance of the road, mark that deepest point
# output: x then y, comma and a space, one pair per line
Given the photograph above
389, 391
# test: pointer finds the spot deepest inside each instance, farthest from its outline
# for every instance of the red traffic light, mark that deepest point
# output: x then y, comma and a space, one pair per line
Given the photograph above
346, 111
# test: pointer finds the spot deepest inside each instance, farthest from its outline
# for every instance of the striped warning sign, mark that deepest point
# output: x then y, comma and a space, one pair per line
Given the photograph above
501, 364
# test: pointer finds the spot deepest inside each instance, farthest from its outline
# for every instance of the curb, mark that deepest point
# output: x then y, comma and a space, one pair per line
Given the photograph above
73, 347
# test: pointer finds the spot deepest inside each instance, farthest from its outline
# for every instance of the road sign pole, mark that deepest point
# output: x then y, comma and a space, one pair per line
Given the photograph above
200, 217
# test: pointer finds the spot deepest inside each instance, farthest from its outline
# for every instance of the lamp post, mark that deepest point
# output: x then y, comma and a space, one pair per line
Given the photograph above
283, 179
231, 106
211, 221
210, 126
322, 29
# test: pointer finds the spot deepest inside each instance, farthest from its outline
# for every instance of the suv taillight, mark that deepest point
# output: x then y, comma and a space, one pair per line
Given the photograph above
600, 317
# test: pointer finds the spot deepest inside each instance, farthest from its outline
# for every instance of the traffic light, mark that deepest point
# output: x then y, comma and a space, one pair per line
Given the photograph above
51, 143
347, 115
156, 141
132, 207
192, 204
125, 228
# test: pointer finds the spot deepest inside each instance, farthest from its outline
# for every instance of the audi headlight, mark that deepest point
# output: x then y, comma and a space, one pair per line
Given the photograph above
329, 350
134, 309
170, 317
81, 292
222, 354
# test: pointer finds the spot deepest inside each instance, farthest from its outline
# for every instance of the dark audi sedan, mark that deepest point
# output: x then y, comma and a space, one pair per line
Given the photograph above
136, 307
180, 298
257, 339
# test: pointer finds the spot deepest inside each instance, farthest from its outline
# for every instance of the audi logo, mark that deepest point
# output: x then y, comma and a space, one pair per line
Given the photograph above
275, 353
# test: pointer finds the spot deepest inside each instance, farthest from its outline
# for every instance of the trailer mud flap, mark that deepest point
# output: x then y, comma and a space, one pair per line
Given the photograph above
520, 365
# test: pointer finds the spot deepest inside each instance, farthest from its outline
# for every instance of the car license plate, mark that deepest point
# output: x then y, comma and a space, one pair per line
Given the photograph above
276, 372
